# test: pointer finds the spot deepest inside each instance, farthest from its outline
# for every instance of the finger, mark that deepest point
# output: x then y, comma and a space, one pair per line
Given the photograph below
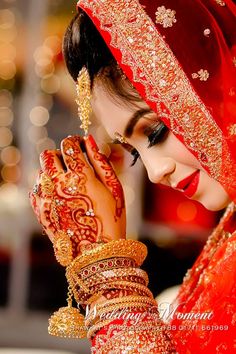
34, 195
35, 204
99, 161
38, 177
73, 156
50, 162
104, 170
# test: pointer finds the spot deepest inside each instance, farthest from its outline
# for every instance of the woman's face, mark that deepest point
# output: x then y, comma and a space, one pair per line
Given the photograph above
166, 159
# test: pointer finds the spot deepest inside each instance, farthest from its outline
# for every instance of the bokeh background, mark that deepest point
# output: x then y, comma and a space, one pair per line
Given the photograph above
37, 110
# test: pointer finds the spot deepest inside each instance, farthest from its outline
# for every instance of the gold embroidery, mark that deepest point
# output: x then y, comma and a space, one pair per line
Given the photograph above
234, 61
202, 75
204, 270
207, 32
232, 129
144, 51
146, 337
220, 2
165, 17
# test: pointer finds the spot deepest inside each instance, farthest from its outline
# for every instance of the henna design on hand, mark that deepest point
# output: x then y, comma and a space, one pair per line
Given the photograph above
63, 205
109, 178
50, 162
113, 184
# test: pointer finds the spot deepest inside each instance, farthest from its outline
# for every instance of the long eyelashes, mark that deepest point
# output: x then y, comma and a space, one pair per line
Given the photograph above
157, 135
135, 155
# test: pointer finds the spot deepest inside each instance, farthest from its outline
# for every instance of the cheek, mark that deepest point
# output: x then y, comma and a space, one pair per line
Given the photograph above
175, 149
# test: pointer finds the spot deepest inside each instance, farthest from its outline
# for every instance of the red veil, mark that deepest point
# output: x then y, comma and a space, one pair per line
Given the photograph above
181, 57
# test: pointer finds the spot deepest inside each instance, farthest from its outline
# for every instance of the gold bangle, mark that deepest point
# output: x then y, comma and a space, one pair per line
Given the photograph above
97, 289
105, 265
98, 281
127, 299
136, 275
94, 291
122, 285
83, 295
120, 272
132, 249
76, 281
129, 249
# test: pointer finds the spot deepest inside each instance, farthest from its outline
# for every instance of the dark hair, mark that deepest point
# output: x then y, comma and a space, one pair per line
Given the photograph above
84, 46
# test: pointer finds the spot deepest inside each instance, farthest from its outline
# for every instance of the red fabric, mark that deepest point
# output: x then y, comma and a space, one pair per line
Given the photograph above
216, 293
212, 52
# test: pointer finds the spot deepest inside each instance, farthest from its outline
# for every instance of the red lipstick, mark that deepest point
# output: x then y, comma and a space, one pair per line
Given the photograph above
189, 185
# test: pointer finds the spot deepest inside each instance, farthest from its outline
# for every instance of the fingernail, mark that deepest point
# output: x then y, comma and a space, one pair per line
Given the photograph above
92, 142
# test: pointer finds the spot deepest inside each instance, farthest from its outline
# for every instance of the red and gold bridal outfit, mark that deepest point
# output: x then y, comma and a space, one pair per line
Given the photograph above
181, 57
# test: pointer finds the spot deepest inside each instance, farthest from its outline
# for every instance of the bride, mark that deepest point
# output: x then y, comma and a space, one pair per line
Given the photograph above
160, 76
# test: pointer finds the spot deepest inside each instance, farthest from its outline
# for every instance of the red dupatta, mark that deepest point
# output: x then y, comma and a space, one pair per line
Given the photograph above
181, 57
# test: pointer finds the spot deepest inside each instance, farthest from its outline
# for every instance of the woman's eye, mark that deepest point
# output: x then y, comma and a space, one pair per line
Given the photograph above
158, 134
135, 155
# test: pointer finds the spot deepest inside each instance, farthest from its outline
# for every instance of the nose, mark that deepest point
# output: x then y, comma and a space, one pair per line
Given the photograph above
160, 170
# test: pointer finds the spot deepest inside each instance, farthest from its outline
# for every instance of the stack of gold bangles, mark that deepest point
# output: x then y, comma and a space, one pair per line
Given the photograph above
108, 268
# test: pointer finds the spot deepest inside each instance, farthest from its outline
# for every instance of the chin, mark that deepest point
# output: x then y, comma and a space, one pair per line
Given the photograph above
216, 202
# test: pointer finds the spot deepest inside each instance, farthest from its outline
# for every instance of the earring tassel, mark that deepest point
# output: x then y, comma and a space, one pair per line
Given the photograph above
67, 322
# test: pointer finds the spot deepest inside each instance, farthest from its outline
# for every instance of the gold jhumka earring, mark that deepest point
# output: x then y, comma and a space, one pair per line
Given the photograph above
68, 322
83, 99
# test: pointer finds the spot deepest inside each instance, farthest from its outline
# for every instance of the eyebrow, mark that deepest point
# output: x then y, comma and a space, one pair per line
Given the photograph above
134, 120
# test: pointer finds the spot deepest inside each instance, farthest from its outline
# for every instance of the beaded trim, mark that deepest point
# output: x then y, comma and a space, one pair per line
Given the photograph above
106, 265
100, 280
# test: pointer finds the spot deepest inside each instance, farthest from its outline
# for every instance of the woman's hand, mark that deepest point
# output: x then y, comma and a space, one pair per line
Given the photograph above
77, 198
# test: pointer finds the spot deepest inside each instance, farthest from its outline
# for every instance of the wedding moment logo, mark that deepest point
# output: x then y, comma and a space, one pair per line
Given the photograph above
170, 312
163, 318
167, 313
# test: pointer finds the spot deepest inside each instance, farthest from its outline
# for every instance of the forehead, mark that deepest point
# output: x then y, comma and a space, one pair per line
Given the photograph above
113, 113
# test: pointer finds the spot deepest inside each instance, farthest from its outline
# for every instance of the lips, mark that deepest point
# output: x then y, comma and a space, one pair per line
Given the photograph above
189, 185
